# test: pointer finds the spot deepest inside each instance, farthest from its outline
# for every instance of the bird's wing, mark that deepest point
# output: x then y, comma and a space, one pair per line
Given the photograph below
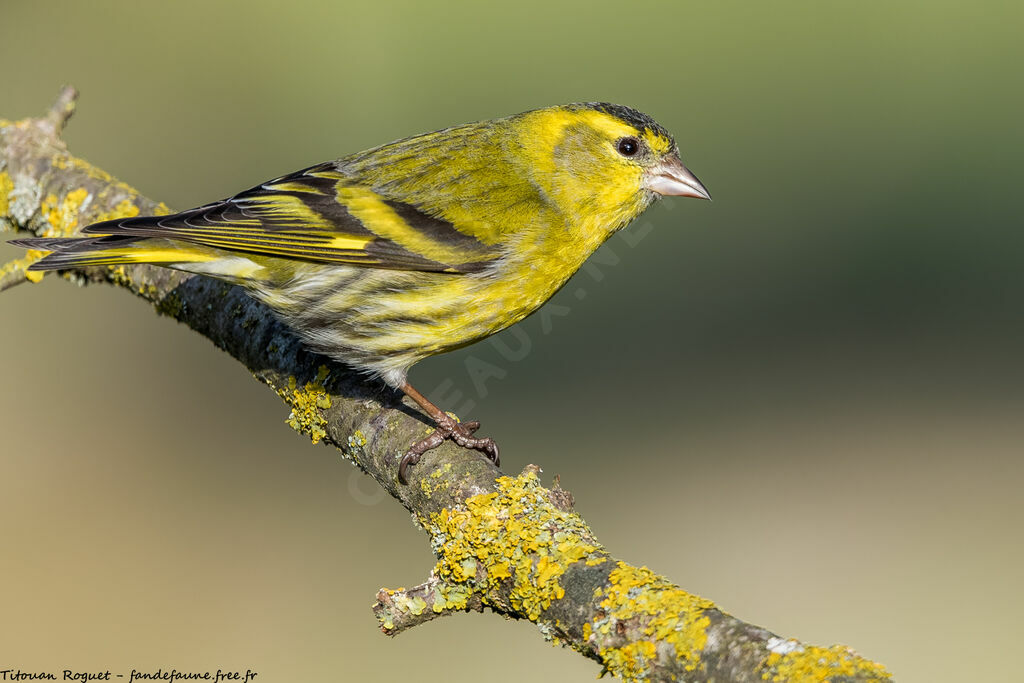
318, 215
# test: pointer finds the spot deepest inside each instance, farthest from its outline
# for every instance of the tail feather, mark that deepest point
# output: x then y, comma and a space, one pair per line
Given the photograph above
108, 250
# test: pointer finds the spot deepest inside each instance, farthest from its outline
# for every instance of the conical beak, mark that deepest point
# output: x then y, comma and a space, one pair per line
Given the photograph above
670, 178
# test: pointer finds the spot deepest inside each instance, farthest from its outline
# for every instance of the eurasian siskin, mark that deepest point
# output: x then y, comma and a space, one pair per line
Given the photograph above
382, 258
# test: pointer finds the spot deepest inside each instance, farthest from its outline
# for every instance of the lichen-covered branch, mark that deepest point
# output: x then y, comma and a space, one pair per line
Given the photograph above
504, 543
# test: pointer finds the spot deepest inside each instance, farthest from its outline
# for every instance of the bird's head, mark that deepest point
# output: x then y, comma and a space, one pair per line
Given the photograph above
604, 161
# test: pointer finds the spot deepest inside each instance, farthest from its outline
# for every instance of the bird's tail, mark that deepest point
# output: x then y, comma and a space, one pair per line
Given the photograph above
112, 250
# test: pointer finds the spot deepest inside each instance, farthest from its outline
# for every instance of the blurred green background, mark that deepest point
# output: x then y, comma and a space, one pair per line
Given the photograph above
803, 400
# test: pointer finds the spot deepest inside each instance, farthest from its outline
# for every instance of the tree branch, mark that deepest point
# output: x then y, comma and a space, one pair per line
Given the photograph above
506, 543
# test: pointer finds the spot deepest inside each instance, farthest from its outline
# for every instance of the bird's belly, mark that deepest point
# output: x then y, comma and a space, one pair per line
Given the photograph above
452, 312
381, 320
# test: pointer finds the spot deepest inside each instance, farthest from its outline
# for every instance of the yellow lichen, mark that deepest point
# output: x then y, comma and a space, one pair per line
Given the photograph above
500, 570
435, 481
21, 265
512, 534
632, 661
306, 403
356, 440
110, 183
6, 185
411, 604
810, 663
516, 536
61, 215
664, 612
119, 276
451, 597
126, 208
67, 162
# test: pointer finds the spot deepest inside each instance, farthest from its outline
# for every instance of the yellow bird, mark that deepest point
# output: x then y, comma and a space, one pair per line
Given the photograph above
384, 257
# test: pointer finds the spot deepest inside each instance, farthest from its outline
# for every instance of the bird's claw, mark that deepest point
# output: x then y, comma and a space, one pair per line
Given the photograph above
459, 432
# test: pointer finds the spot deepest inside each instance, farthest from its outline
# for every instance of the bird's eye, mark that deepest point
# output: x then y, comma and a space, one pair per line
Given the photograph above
628, 146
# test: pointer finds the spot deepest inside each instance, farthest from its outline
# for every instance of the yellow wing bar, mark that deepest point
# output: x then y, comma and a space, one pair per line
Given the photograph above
317, 215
